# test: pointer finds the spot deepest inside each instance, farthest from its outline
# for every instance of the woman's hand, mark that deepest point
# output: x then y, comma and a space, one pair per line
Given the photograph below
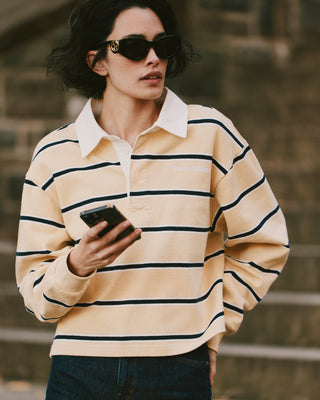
94, 252
213, 365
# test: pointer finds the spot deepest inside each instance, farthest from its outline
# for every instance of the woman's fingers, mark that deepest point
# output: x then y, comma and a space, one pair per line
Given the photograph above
213, 365
92, 233
94, 252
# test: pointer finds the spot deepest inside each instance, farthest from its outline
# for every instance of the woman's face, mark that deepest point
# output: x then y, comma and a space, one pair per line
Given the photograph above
141, 80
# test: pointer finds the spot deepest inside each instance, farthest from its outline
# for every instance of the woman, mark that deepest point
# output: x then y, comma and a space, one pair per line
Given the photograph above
141, 319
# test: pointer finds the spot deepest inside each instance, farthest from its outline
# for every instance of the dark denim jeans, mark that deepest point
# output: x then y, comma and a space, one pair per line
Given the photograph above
182, 377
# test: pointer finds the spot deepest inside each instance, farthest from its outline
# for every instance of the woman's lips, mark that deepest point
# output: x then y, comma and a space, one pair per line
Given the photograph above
153, 76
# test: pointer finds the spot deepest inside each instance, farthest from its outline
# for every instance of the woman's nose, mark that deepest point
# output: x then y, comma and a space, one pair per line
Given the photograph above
152, 57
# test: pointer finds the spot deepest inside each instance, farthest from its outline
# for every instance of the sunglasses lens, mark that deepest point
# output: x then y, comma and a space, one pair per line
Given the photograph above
135, 49
167, 46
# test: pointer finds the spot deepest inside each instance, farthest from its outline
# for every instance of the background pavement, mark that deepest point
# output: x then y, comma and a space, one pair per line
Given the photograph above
21, 390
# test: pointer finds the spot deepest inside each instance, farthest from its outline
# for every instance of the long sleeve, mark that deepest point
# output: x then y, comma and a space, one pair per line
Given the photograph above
49, 289
256, 242
210, 251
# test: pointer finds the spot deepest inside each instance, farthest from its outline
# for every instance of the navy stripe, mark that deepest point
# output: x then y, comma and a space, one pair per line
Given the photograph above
265, 270
242, 155
64, 126
257, 228
87, 168
29, 311
216, 122
216, 218
245, 193
32, 253
54, 144
138, 338
149, 265
176, 229
171, 193
233, 308
38, 281
150, 301
28, 182
216, 254
43, 318
237, 201
219, 166
41, 221
106, 303
179, 157
254, 265
50, 319
93, 200
78, 169
240, 280
53, 301
47, 184
171, 157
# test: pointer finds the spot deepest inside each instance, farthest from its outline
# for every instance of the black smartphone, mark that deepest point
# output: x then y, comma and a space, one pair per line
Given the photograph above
108, 213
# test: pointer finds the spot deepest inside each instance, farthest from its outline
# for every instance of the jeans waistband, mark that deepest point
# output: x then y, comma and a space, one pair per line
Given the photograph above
198, 352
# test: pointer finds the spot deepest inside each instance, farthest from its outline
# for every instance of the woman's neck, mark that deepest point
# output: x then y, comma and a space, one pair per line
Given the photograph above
127, 117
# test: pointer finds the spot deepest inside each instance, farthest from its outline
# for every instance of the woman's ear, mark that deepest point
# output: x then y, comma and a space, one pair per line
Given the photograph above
99, 67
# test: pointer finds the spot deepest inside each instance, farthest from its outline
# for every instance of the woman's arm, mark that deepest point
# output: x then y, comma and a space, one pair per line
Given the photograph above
256, 244
52, 273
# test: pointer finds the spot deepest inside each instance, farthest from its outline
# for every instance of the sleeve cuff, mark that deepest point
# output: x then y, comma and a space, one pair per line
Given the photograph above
213, 343
67, 281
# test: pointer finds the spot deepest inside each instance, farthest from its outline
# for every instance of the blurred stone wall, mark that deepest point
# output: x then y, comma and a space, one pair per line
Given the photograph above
260, 66
30, 106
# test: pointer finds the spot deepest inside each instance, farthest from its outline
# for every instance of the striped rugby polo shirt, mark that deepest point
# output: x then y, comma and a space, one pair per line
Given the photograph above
214, 238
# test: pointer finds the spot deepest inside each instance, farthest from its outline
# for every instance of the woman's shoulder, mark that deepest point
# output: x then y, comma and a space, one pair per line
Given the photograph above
55, 150
56, 140
212, 120
198, 112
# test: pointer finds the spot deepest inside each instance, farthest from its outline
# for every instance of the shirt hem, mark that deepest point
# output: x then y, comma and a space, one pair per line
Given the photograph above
134, 348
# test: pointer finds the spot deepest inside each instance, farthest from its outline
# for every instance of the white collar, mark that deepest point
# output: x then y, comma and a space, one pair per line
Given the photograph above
173, 118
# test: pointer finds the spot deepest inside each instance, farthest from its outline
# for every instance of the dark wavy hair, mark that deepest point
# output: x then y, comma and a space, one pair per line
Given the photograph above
90, 23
